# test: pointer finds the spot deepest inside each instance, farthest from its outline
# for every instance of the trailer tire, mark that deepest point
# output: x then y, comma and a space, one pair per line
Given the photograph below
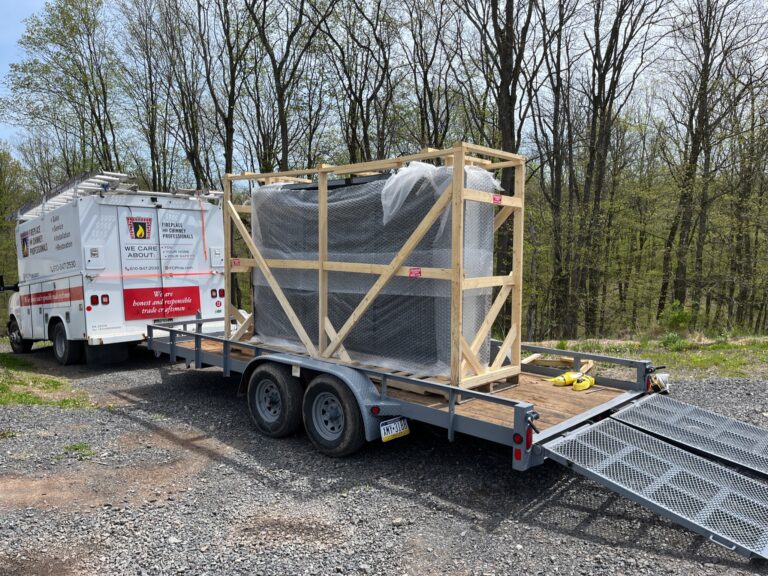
66, 351
332, 417
274, 400
19, 345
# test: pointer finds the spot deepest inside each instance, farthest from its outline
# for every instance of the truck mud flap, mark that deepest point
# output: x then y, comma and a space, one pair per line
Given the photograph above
719, 503
699, 430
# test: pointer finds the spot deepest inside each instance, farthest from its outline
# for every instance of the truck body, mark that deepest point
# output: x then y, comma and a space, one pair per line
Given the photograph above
104, 265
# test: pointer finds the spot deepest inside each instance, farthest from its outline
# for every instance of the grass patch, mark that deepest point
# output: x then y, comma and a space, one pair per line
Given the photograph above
738, 358
81, 450
13, 361
19, 385
7, 434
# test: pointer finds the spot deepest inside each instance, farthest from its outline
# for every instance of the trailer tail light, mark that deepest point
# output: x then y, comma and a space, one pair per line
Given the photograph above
105, 299
94, 299
518, 454
528, 438
375, 410
213, 292
221, 292
517, 438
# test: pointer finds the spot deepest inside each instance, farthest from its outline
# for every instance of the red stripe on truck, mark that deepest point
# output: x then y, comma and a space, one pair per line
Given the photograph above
52, 296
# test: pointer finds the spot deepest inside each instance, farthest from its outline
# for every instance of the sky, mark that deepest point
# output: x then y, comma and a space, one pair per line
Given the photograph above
12, 15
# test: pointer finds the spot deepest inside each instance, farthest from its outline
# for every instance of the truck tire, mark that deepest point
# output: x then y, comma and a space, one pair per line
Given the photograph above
332, 417
274, 400
19, 345
66, 351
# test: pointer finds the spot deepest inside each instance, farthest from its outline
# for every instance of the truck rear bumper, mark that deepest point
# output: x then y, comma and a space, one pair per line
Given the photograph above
120, 337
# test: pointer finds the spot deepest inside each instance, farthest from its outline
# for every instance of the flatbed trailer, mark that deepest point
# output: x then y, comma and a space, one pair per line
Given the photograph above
698, 468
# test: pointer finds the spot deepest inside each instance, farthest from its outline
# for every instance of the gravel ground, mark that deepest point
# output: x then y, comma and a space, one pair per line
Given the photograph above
181, 483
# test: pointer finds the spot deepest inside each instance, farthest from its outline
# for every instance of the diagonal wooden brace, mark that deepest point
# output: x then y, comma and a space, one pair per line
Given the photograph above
505, 347
471, 357
279, 294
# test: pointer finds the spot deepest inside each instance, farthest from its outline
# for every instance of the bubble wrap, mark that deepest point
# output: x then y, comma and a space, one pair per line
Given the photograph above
408, 326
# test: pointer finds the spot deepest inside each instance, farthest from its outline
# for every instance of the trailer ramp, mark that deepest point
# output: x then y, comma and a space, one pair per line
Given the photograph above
702, 431
719, 503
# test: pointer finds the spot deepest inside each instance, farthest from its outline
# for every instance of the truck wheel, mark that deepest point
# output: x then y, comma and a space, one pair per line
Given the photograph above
332, 417
19, 345
274, 400
66, 351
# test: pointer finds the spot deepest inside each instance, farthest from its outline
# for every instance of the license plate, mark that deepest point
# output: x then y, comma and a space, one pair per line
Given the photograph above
394, 428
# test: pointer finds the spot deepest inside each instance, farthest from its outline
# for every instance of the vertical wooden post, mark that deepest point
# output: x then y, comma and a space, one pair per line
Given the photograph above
517, 263
457, 261
227, 256
322, 256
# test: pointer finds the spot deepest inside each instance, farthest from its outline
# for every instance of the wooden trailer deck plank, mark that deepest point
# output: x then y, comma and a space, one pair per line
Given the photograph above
554, 404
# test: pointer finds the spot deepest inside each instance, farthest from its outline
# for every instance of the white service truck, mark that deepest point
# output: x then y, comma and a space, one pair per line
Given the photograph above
99, 260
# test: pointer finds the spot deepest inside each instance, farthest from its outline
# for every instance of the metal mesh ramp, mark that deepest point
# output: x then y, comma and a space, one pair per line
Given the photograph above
702, 430
725, 506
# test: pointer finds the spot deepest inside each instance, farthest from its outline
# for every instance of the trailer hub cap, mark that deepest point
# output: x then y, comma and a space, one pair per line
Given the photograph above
328, 416
268, 400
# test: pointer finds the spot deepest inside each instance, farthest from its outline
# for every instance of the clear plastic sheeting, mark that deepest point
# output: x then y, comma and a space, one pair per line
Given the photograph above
408, 326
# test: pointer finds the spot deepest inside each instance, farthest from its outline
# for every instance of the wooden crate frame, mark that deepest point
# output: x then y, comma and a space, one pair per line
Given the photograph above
466, 369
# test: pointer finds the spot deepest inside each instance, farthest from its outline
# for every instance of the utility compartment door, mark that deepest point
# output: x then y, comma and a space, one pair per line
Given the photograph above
36, 305
25, 321
101, 285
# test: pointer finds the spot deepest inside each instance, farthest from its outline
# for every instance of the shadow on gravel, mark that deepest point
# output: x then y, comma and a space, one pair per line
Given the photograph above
469, 478
43, 362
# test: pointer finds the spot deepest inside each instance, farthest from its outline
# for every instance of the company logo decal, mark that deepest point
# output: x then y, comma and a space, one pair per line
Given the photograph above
24, 244
139, 228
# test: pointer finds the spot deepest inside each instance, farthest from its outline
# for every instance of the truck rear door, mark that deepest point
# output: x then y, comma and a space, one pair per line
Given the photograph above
184, 261
140, 264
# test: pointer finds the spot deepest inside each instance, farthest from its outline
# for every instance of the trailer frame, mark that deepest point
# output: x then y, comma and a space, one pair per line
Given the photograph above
185, 340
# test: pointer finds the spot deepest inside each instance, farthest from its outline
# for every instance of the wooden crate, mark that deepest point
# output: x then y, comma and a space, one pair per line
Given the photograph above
466, 369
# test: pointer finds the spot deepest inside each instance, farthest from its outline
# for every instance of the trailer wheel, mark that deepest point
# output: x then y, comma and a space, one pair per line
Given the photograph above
332, 417
19, 345
274, 400
66, 351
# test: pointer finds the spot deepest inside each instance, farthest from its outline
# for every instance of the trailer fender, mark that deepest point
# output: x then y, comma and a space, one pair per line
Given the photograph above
361, 386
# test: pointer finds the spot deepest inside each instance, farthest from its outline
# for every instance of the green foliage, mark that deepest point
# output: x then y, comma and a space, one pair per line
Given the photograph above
676, 317
7, 434
741, 359
673, 341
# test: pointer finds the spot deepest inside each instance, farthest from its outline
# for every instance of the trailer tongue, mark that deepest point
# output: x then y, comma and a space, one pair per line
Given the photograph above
661, 453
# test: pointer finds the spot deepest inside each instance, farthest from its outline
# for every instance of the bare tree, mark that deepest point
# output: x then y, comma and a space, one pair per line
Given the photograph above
224, 33
286, 31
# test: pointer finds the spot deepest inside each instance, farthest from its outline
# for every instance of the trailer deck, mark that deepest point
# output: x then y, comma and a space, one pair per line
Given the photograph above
554, 404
